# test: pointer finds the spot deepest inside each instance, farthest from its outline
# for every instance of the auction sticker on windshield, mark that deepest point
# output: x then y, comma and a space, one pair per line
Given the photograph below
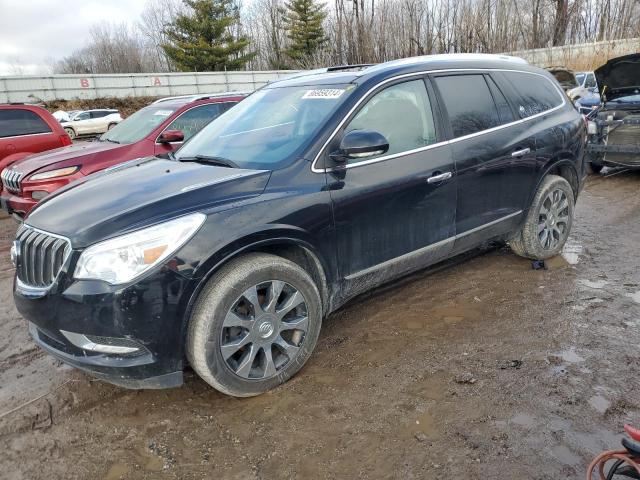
328, 93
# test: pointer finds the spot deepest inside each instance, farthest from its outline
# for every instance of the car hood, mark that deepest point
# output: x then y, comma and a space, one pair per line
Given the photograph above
140, 193
619, 76
84, 151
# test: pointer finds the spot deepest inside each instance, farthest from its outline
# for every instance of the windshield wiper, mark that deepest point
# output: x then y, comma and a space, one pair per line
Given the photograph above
218, 161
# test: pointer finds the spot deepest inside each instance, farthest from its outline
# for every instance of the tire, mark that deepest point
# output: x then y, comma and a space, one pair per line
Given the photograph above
532, 240
71, 132
236, 308
595, 167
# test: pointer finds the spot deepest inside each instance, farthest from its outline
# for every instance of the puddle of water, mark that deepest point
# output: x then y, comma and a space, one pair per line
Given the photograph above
117, 471
570, 356
524, 420
571, 252
634, 296
424, 425
596, 284
566, 456
599, 403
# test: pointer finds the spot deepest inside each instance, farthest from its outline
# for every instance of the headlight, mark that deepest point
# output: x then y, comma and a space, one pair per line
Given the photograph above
61, 172
124, 258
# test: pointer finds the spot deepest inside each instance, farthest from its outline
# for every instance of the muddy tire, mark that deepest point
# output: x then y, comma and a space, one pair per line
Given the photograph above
254, 325
71, 132
548, 222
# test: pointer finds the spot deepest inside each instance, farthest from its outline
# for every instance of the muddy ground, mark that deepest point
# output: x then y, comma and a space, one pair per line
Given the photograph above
485, 369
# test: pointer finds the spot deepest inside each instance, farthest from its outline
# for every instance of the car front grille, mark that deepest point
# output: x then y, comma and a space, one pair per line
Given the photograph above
40, 256
11, 180
627, 134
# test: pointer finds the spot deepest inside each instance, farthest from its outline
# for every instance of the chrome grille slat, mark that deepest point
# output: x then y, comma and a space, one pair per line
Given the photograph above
42, 256
11, 180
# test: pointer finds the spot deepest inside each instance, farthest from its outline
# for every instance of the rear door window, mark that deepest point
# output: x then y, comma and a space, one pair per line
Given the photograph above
21, 122
469, 103
537, 94
402, 113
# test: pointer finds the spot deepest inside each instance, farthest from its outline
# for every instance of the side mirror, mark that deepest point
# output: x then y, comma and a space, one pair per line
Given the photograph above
171, 136
360, 144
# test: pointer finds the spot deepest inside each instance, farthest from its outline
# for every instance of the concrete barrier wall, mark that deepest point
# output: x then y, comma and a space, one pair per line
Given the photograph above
583, 56
66, 87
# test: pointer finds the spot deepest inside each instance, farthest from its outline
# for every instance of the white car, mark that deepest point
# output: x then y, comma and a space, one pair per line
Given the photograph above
587, 85
91, 122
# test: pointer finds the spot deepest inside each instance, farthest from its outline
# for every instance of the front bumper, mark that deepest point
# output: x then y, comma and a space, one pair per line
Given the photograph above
148, 313
15, 205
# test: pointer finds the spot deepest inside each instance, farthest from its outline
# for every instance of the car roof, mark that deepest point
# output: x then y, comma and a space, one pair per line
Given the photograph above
361, 73
211, 97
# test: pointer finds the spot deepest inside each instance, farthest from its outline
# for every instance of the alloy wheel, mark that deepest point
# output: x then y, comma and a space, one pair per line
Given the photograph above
264, 330
553, 219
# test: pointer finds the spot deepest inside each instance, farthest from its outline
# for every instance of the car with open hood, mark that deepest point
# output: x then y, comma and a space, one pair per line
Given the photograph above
229, 254
614, 127
153, 130
565, 77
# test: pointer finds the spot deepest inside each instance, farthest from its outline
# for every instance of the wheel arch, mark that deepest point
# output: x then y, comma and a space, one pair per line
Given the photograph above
285, 245
563, 167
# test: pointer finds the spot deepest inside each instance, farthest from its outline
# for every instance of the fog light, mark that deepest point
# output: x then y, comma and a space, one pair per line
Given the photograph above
108, 345
39, 194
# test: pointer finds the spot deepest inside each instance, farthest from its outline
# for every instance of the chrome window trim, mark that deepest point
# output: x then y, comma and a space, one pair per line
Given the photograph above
429, 247
437, 144
50, 132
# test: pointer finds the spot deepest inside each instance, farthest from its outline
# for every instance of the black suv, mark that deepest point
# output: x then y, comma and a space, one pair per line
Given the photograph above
309, 192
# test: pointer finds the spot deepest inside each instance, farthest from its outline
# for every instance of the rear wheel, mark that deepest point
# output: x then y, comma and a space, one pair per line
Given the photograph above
548, 222
71, 132
254, 325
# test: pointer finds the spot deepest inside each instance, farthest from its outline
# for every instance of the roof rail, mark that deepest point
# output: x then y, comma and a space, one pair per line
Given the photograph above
201, 96
359, 66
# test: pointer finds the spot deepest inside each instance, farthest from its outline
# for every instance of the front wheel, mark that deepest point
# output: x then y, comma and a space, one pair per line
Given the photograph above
254, 325
548, 222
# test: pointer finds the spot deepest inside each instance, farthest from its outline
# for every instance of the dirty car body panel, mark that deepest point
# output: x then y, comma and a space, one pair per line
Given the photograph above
353, 224
614, 135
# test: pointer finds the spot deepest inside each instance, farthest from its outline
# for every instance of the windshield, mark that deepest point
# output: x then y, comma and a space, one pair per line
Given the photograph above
137, 126
269, 127
580, 78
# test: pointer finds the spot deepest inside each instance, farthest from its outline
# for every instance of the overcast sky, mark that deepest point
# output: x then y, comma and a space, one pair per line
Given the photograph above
35, 32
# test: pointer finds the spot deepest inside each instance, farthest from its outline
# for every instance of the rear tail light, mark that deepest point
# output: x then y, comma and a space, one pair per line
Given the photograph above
65, 140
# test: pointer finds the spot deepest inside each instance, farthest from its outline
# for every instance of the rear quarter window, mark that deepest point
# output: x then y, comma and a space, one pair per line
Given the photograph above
535, 93
18, 122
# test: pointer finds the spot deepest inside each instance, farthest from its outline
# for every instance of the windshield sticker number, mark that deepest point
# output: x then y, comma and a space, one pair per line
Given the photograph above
328, 93
163, 113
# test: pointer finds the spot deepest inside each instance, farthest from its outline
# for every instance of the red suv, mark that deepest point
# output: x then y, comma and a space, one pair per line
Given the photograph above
28, 129
153, 130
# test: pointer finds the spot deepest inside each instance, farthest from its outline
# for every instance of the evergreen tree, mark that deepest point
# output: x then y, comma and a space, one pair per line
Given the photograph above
202, 38
303, 23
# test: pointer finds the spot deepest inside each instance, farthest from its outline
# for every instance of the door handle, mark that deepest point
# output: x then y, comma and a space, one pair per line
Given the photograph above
440, 177
521, 153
